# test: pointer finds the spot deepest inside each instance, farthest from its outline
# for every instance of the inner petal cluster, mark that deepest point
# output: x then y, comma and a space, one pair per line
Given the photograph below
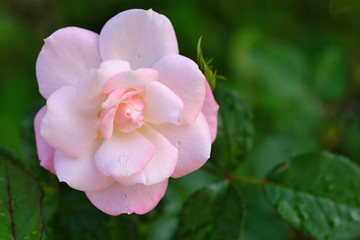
122, 108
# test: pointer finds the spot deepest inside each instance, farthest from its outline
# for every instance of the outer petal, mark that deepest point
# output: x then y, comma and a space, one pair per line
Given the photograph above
66, 54
184, 78
139, 37
162, 164
161, 104
90, 85
193, 143
81, 173
44, 150
131, 79
66, 126
210, 110
119, 199
124, 154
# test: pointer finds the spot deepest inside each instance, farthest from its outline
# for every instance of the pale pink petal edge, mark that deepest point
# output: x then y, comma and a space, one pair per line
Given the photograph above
210, 110
45, 151
118, 199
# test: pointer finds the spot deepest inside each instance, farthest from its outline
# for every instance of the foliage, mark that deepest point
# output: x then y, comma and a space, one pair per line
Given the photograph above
206, 67
315, 194
20, 202
214, 212
235, 130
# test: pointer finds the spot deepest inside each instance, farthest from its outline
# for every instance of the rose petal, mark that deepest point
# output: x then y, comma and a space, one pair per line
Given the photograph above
66, 126
210, 110
162, 164
139, 37
124, 154
45, 151
81, 173
184, 78
90, 85
161, 104
107, 124
119, 199
131, 79
193, 143
65, 56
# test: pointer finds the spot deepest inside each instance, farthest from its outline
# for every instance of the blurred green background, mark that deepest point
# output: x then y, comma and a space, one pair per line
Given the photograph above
297, 64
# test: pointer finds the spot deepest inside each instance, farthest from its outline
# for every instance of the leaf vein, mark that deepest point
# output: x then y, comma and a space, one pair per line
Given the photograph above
11, 210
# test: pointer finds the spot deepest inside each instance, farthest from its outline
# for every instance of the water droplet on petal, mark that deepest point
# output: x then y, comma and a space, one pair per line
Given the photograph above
138, 186
124, 196
178, 144
123, 159
127, 210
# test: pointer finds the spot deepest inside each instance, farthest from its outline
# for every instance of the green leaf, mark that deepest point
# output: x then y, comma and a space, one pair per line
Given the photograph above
124, 227
20, 203
318, 194
214, 212
235, 130
330, 74
206, 67
76, 218
260, 213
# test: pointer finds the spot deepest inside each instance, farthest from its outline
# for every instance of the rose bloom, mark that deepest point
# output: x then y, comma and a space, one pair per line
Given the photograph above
124, 111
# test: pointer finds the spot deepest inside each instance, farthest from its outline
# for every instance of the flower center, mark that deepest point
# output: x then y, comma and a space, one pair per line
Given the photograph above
122, 108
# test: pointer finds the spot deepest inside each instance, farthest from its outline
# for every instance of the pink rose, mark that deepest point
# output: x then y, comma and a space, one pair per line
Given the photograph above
124, 111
